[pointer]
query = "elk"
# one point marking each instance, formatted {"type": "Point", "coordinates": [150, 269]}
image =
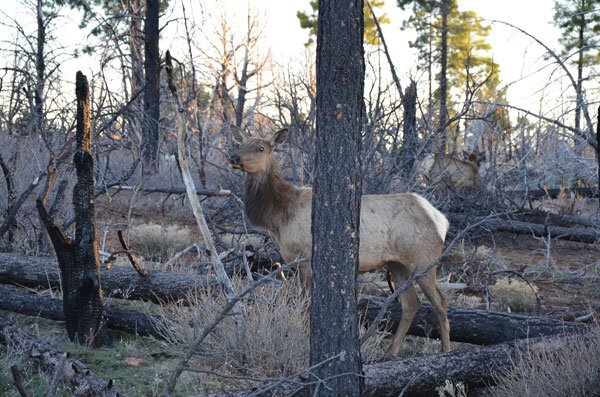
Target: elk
{"type": "Point", "coordinates": [401, 231]}
{"type": "Point", "coordinates": [445, 171]}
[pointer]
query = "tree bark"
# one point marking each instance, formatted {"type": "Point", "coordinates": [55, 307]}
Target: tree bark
{"type": "Point", "coordinates": [478, 367]}
{"type": "Point", "coordinates": [334, 346]}
{"type": "Point", "coordinates": [443, 80]}
{"type": "Point", "coordinates": [534, 229]}
{"type": "Point", "coordinates": [152, 90]}
{"type": "Point", "coordinates": [79, 260]}
{"type": "Point", "coordinates": [40, 66]}
{"type": "Point", "coordinates": [118, 282]}
{"type": "Point", "coordinates": [32, 304]}
{"type": "Point", "coordinates": [479, 327]}
{"type": "Point", "coordinates": [410, 140]}
{"type": "Point", "coordinates": [78, 375]}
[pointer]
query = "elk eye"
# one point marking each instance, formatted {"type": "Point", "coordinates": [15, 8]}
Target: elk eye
{"type": "Point", "coordinates": [261, 149]}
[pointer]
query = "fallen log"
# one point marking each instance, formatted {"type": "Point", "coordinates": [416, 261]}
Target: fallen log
{"type": "Point", "coordinates": [174, 190]}
{"type": "Point", "coordinates": [479, 327]}
{"type": "Point", "coordinates": [477, 367]}
{"type": "Point", "coordinates": [420, 376]}
{"type": "Point", "coordinates": [591, 192]}
{"type": "Point", "coordinates": [32, 304]}
{"type": "Point", "coordinates": [118, 282]}
{"type": "Point", "coordinates": [80, 378]}
{"type": "Point", "coordinates": [535, 229]}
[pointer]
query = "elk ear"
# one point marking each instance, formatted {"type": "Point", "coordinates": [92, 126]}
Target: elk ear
{"type": "Point", "coordinates": [280, 137]}
{"type": "Point", "coordinates": [238, 134]}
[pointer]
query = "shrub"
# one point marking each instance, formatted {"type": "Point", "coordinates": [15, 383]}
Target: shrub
{"type": "Point", "coordinates": [271, 341]}
{"type": "Point", "coordinates": [516, 294]}
{"type": "Point", "coordinates": [570, 370]}
{"type": "Point", "coordinates": [157, 241]}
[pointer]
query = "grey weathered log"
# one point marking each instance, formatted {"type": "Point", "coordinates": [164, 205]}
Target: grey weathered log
{"type": "Point", "coordinates": [118, 282]}
{"type": "Point", "coordinates": [24, 302]}
{"type": "Point", "coordinates": [535, 229]}
{"type": "Point", "coordinates": [479, 327]}
{"type": "Point", "coordinates": [420, 376]}
{"type": "Point", "coordinates": [591, 192]}
{"type": "Point", "coordinates": [80, 378]}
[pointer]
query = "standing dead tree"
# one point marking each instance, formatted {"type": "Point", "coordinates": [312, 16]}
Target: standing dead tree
{"type": "Point", "coordinates": [79, 259]}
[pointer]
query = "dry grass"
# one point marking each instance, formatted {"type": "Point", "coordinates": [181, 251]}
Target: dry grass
{"type": "Point", "coordinates": [272, 342]}
{"type": "Point", "coordinates": [515, 294]}
{"type": "Point", "coordinates": [157, 241]}
{"type": "Point", "coordinates": [571, 370]}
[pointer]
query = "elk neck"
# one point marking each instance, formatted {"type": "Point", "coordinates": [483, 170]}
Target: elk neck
{"type": "Point", "coordinates": [270, 199]}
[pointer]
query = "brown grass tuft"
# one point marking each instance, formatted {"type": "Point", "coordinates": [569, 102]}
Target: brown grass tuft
{"type": "Point", "coordinates": [571, 370]}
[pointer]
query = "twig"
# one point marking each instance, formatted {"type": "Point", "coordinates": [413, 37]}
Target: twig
{"type": "Point", "coordinates": [16, 375]}
{"type": "Point", "coordinates": [136, 265]}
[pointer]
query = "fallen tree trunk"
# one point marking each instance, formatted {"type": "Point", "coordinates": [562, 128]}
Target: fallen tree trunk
{"type": "Point", "coordinates": [420, 376]}
{"type": "Point", "coordinates": [479, 327]}
{"type": "Point", "coordinates": [173, 190]}
{"type": "Point", "coordinates": [33, 304]}
{"type": "Point", "coordinates": [591, 192]}
{"type": "Point", "coordinates": [118, 282]}
{"type": "Point", "coordinates": [478, 367]}
{"type": "Point", "coordinates": [535, 229]}
{"type": "Point", "coordinates": [76, 374]}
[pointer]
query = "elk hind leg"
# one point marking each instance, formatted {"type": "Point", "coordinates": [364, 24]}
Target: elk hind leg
{"type": "Point", "coordinates": [410, 305]}
{"type": "Point", "coordinates": [428, 284]}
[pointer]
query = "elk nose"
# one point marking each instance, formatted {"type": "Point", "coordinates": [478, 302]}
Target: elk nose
{"type": "Point", "coordinates": [234, 159]}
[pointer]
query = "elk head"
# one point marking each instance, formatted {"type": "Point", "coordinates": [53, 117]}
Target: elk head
{"type": "Point", "coordinates": [255, 154]}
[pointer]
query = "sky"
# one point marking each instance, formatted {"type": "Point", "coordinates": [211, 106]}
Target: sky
{"type": "Point", "coordinates": [518, 56]}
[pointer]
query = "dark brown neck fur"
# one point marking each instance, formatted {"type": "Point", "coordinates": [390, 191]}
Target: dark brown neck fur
{"type": "Point", "coordinates": [270, 199]}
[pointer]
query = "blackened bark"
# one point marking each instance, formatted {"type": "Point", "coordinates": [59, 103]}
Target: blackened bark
{"type": "Point", "coordinates": [410, 139]}
{"type": "Point", "coordinates": [336, 199]}
{"type": "Point", "coordinates": [474, 326]}
{"type": "Point", "coordinates": [78, 259]}
{"type": "Point", "coordinates": [40, 66]}
{"type": "Point", "coordinates": [20, 301]}
{"type": "Point", "coordinates": [152, 91]}
{"type": "Point", "coordinates": [443, 80]}
{"type": "Point", "coordinates": [598, 149]}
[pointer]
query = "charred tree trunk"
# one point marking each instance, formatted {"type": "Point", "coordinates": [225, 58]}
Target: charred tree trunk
{"type": "Point", "coordinates": [40, 66]}
{"type": "Point", "coordinates": [598, 150]}
{"type": "Point", "coordinates": [78, 259]}
{"type": "Point", "coordinates": [410, 138]}
{"type": "Point", "coordinates": [334, 345]}
{"type": "Point", "coordinates": [152, 90]}
{"type": "Point", "coordinates": [443, 145]}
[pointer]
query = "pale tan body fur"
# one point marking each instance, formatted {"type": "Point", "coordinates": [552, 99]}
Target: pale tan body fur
{"type": "Point", "coordinates": [448, 172]}
{"type": "Point", "coordinates": [401, 231]}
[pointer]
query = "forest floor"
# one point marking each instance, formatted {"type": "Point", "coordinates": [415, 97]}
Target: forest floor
{"type": "Point", "coordinates": [522, 274]}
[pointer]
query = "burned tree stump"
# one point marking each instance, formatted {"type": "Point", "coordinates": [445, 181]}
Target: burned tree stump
{"type": "Point", "coordinates": [79, 259]}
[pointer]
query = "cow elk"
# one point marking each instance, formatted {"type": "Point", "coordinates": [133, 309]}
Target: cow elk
{"type": "Point", "coordinates": [401, 231]}
{"type": "Point", "coordinates": [446, 172]}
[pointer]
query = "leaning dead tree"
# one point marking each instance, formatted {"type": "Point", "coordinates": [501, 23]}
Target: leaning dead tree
{"type": "Point", "coordinates": [79, 259]}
